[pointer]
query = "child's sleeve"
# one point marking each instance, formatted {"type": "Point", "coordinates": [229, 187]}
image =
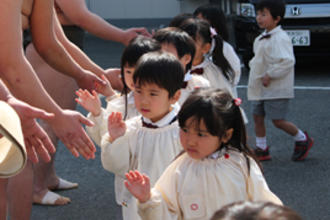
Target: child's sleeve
{"type": "Point", "coordinates": [280, 58]}
{"type": "Point", "coordinates": [163, 203]}
{"type": "Point", "coordinates": [100, 126]}
{"type": "Point", "coordinates": [116, 157]}
{"type": "Point", "coordinates": [258, 189]}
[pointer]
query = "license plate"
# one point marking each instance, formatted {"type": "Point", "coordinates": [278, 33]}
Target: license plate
{"type": "Point", "coordinates": [300, 37]}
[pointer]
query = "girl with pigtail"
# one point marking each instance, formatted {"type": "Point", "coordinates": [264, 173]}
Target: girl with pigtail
{"type": "Point", "coordinates": [216, 67]}
{"type": "Point", "coordinates": [215, 169]}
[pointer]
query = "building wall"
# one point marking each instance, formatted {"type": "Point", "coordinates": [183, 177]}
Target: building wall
{"type": "Point", "coordinates": [142, 9]}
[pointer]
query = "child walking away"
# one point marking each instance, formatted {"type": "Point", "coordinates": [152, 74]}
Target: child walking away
{"type": "Point", "coordinates": [216, 18]}
{"type": "Point", "coordinates": [216, 168]}
{"type": "Point", "coordinates": [179, 43]}
{"type": "Point", "coordinates": [123, 103]}
{"type": "Point", "coordinates": [271, 80]}
{"type": "Point", "coordinates": [148, 143]}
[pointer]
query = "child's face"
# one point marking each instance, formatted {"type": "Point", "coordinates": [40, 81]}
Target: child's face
{"type": "Point", "coordinates": [152, 101]}
{"type": "Point", "coordinates": [196, 140]}
{"type": "Point", "coordinates": [265, 20]}
{"type": "Point", "coordinates": [128, 74]}
{"type": "Point", "coordinates": [170, 48]}
{"type": "Point", "coordinates": [201, 49]}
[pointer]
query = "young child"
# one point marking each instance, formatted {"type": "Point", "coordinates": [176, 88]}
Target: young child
{"type": "Point", "coordinates": [255, 211]}
{"type": "Point", "coordinates": [179, 43]}
{"type": "Point", "coordinates": [116, 103]}
{"type": "Point", "coordinates": [148, 143]}
{"type": "Point", "coordinates": [216, 18]}
{"type": "Point", "coordinates": [271, 80]}
{"type": "Point", "coordinates": [217, 167]}
{"type": "Point", "coordinates": [217, 70]}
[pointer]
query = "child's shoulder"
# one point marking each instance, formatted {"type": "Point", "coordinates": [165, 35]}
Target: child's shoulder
{"type": "Point", "coordinates": [197, 81]}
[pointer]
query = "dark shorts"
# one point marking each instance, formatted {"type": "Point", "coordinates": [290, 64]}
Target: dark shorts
{"type": "Point", "coordinates": [275, 109]}
{"type": "Point", "coordinates": [74, 33]}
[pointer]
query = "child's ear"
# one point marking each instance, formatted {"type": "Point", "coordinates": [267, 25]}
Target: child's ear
{"type": "Point", "coordinates": [227, 136]}
{"type": "Point", "coordinates": [175, 97]}
{"type": "Point", "coordinates": [186, 59]}
{"type": "Point", "coordinates": [277, 20]}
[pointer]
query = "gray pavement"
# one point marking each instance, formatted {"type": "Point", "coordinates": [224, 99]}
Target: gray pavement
{"type": "Point", "coordinates": [303, 186]}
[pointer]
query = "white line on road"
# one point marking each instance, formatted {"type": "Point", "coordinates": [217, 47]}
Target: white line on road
{"type": "Point", "coordinates": [297, 87]}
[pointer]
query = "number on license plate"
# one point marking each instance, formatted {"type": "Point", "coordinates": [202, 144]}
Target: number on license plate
{"type": "Point", "coordinates": [299, 37]}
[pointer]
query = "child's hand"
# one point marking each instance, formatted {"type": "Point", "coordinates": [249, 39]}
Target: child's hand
{"type": "Point", "coordinates": [106, 89]}
{"type": "Point", "coordinates": [266, 80]}
{"type": "Point", "coordinates": [91, 102]}
{"type": "Point", "coordinates": [139, 185]}
{"type": "Point", "coordinates": [116, 125]}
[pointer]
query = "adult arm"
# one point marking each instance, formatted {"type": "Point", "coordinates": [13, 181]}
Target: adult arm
{"type": "Point", "coordinates": [49, 47]}
{"type": "Point", "coordinates": [96, 25]}
{"type": "Point", "coordinates": [22, 81]}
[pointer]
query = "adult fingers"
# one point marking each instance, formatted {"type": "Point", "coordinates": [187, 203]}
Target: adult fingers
{"type": "Point", "coordinates": [34, 112]}
{"type": "Point", "coordinates": [82, 119]}
{"type": "Point", "coordinates": [30, 151]}
{"type": "Point", "coordinates": [40, 149]}
{"type": "Point", "coordinates": [45, 140]}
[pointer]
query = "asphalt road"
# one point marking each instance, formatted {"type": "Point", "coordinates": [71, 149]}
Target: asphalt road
{"type": "Point", "coordinates": [303, 186]}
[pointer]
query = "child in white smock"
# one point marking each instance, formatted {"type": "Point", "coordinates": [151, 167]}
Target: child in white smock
{"type": "Point", "coordinates": [179, 43]}
{"type": "Point", "coordinates": [217, 20]}
{"type": "Point", "coordinates": [216, 168]}
{"type": "Point", "coordinates": [123, 103]}
{"type": "Point", "coordinates": [150, 142]}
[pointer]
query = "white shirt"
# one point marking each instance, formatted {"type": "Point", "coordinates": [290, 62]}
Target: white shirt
{"type": "Point", "coordinates": [145, 149]}
{"type": "Point", "coordinates": [196, 189]}
{"type": "Point", "coordinates": [273, 56]}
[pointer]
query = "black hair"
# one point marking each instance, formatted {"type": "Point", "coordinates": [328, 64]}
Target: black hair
{"type": "Point", "coordinates": [200, 29]}
{"type": "Point", "coordinates": [246, 210]}
{"type": "Point", "coordinates": [177, 20]}
{"type": "Point", "coordinates": [216, 108]}
{"type": "Point", "coordinates": [131, 54]}
{"type": "Point", "coordinates": [275, 7]}
{"type": "Point", "coordinates": [215, 16]}
{"type": "Point", "coordinates": [160, 68]}
{"type": "Point", "coordinates": [183, 43]}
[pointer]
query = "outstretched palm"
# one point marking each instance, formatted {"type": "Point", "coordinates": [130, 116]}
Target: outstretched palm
{"type": "Point", "coordinates": [116, 125]}
{"type": "Point", "coordinates": [139, 185]}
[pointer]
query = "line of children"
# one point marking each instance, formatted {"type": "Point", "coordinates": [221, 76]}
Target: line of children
{"type": "Point", "coordinates": [148, 143]}
{"type": "Point", "coordinates": [271, 80]}
{"type": "Point", "coordinates": [123, 103]}
{"type": "Point", "coordinates": [180, 44]}
{"type": "Point", "coordinates": [216, 168]}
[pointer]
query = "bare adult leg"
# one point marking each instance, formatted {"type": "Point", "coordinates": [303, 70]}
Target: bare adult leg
{"type": "Point", "coordinates": [20, 190]}
{"type": "Point", "coordinates": [286, 126]}
{"type": "Point", "coordinates": [3, 198]}
{"type": "Point", "coordinates": [62, 89]}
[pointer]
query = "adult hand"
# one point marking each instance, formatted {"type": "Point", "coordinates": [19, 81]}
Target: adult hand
{"type": "Point", "coordinates": [67, 126]}
{"type": "Point", "coordinates": [88, 80]}
{"type": "Point", "coordinates": [37, 142]}
{"type": "Point", "coordinates": [139, 185]}
{"type": "Point", "coordinates": [114, 76]}
{"type": "Point", "coordinates": [133, 32]}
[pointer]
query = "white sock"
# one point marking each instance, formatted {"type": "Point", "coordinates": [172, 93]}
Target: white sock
{"type": "Point", "coordinates": [261, 142]}
{"type": "Point", "coordinates": [300, 136]}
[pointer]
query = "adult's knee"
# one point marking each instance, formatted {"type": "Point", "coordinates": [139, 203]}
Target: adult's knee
{"type": "Point", "coordinates": [278, 123]}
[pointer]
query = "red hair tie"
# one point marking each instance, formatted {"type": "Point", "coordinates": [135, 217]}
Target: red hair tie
{"type": "Point", "coordinates": [237, 101]}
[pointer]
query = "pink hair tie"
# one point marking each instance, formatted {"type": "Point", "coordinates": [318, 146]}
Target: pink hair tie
{"type": "Point", "coordinates": [213, 32]}
{"type": "Point", "coordinates": [237, 101]}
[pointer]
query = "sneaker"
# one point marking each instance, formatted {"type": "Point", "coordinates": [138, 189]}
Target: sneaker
{"type": "Point", "coordinates": [261, 154]}
{"type": "Point", "coordinates": [301, 148]}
